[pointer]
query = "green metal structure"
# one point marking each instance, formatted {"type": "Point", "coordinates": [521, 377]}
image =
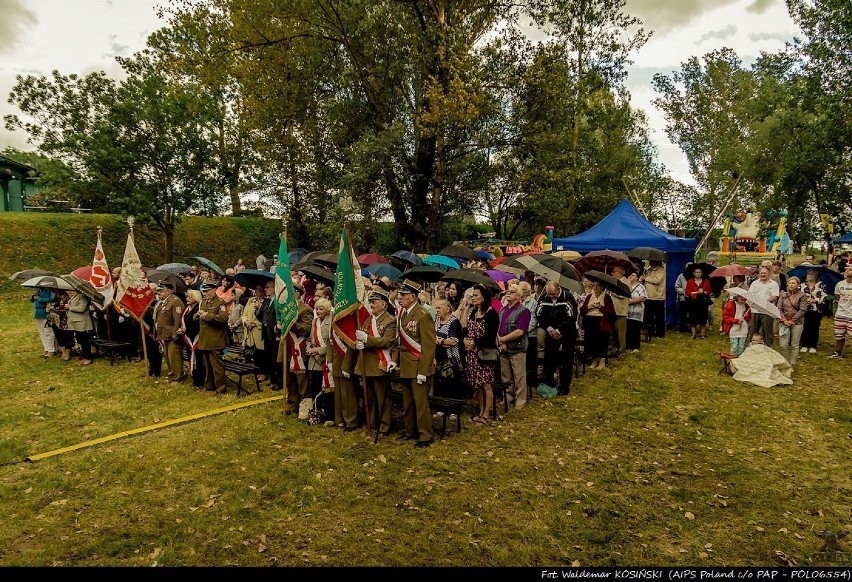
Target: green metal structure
{"type": "Point", "coordinates": [16, 184]}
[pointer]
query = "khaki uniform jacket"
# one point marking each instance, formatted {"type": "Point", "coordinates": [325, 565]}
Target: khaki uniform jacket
{"type": "Point", "coordinates": [419, 326]}
{"type": "Point", "coordinates": [368, 358]}
{"type": "Point", "coordinates": [167, 314]}
{"type": "Point", "coordinates": [301, 327]}
{"type": "Point", "coordinates": [213, 329]}
{"type": "Point", "coordinates": [655, 283]}
{"type": "Point", "coordinates": [253, 337]}
{"type": "Point", "coordinates": [315, 362]}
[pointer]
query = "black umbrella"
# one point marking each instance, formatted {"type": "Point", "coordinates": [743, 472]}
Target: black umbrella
{"type": "Point", "coordinates": [326, 260]}
{"type": "Point", "coordinates": [209, 264]}
{"type": "Point", "coordinates": [85, 288]}
{"type": "Point", "coordinates": [318, 273]}
{"type": "Point", "coordinates": [459, 252]}
{"type": "Point", "coordinates": [609, 283]}
{"type": "Point", "coordinates": [407, 257]}
{"type": "Point", "coordinates": [706, 269]}
{"type": "Point", "coordinates": [157, 276]}
{"type": "Point", "coordinates": [470, 277]}
{"type": "Point", "coordinates": [425, 273]}
{"type": "Point", "coordinates": [48, 282]}
{"type": "Point", "coordinates": [251, 278]}
{"type": "Point", "coordinates": [29, 274]}
{"type": "Point", "coordinates": [648, 254]}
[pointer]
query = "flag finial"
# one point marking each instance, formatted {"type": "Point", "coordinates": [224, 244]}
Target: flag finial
{"type": "Point", "coordinates": [130, 222]}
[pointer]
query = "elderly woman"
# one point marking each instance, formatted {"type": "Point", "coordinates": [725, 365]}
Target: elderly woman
{"type": "Point", "coordinates": [189, 327]}
{"type": "Point", "coordinates": [80, 322]}
{"type": "Point", "coordinates": [815, 297]}
{"type": "Point", "coordinates": [598, 312]}
{"type": "Point", "coordinates": [448, 335]}
{"type": "Point", "coordinates": [793, 306]}
{"type": "Point", "coordinates": [319, 375]}
{"type": "Point", "coordinates": [252, 336]}
{"type": "Point", "coordinates": [698, 296]}
{"type": "Point", "coordinates": [481, 332]}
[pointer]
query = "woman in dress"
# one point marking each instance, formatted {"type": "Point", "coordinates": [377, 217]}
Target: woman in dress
{"type": "Point", "coordinates": [447, 337]}
{"type": "Point", "coordinates": [482, 326]}
{"type": "Point", "coordinates": [598, 312]}
{"type": "Point", "coordinates": [698, 298]}
{"type": "Point", "coordinates": [793, 306]}
{"type": "Point", "coordinates": [815, 297]}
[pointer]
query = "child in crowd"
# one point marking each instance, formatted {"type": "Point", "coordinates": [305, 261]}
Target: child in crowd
{"type": "Point", "coordinates": [735, 317]}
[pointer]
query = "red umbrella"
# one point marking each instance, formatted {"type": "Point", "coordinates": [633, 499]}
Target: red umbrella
{"type": "Point", "coordinates": [604, 261]}
{"type": "Point", "coordinates": [729, 271]}
{"type": "Point", "coordinates": [84, 273]}
{"type": "Point", "coordinates": [371, 259]}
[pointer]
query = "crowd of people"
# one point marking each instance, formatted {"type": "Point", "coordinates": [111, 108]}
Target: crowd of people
{"type": "Point", "coordinates": [443, 339]}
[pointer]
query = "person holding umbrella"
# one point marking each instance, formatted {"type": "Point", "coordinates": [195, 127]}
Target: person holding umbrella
{"type": "Point", "coordinates": [80, 322]}
{"type": "Point", "coordinates": [41, 298]}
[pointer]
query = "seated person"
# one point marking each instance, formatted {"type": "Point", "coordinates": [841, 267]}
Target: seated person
{"type": "Point", "coordinates": [761, 365]}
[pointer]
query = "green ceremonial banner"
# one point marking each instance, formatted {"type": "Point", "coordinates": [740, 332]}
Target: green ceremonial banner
{"type": "Point", "coordinates": [348, 291]}
{"type": "Point", "coordinates": [286, 308]}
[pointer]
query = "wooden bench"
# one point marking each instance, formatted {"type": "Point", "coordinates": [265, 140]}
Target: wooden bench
{"type": "Point", "coordinates": [241, 369]}
{"type": "Point", "coordinates": [447, 406]}
{"type": "Point", "coordinates": [105, 347]}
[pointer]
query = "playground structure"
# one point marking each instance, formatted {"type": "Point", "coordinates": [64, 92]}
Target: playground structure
{"type": "Point", "coordinates": [543, 242]}
{"type": "Point", "coordinates": [748, 235]}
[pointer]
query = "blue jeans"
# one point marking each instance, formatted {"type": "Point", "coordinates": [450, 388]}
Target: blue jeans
{"type": "Point", "coordinates": [737, 345]}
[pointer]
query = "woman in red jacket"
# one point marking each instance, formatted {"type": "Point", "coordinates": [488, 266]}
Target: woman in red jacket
{"type": "Point", "coordinates": [698, 300]}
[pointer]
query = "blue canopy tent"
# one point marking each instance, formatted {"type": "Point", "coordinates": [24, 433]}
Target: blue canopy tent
{"type": "Point", "coordinates": [624, 229]}
{"type": "Point", "coordinates": [845, 239]}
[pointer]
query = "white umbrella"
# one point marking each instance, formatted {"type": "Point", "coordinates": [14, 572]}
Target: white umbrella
{"type": "Point", "coordinates": [762, 304]}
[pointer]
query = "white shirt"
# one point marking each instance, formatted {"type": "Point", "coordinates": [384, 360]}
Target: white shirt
{"type": "Point", "coordinates": [843, 299]}
{"type": "Point", "coordinates": [764, 291]}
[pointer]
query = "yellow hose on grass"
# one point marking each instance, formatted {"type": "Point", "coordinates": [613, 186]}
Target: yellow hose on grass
{"type": "Point", "coordinates": [136, 431]}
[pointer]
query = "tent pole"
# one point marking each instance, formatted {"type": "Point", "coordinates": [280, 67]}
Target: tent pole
{"type": "Point", "coordinates": [719, 214]}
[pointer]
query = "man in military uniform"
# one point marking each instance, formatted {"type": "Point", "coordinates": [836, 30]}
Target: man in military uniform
{"type": "Point", "coordinates": [374, 341]}
{"type": "Point", "coordinates": [212, 337]}
{"type": "Point", "coordinates": [342, 362]}
{"type": "Point", "coordinates": [292, 350]}
{"type": "Point", "coordinates": [416, 337]}
{"type": "Point", "coordinates": [167, 314]}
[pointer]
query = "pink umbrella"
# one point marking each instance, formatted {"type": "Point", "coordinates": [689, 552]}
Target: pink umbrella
{"type": "Point", "coordinates": [371, 259]}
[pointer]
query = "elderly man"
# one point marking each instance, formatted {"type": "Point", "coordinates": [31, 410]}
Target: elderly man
{"type": "Point", "coordinates": [512, 343]}
{"type": "Point", "coordinates": [761, 322]}
{"type": "Point", "coordinates": [655, 303]}
{"type": "Point", "coordinates": [557, 317]}
{"type": "Point", "coordinates": [212, 337]}
{"type": "Point", "coordinates": [621, 305]}
{"type": "Point", "coordinates": [292, 354]}
{"type": "Point", "coordinates": [375, 341]}
{"type": "Point", "coordinates": [416, 337]}
{"type": "Point", "coordinates": [167, 321]}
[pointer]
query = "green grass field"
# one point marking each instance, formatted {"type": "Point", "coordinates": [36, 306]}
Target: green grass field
{"type": "Point", "coordinates": [659, 460]}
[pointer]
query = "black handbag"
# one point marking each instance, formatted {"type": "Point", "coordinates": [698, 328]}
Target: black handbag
{"type": "Point", "coordinates": [488, 355]}
{"type": "Point", "coordinates": [249, 350]}
{"type": "Point", "coordinates": [446, 370]}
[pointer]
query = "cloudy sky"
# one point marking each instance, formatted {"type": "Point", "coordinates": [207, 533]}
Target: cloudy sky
{"type": "Point", "coordinates": [81, 36]}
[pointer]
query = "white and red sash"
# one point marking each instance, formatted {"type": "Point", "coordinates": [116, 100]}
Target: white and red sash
{"type": "Point", "coordinates": [405, 340]}
{"type": "Point", "coordinates": [191, 343]}
{"type": "Point", "coordinates": [296, 347]}
{"type": "Point", "coordinates": [338, 343]}
{"type": "Point", "coordinates": [384, 355]}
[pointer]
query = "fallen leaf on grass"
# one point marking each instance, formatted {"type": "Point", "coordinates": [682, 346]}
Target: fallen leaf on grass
{"type": "Point", "coordinates": [576, 563]}
{"type": "Point", "coordinates": [153, 555]}
{"type": "Point", "coordinates": [758, 528]}
{"type": "Point", "coordinates": [383, 459]}
{"type": "Point", "coordinates": [689, 515]}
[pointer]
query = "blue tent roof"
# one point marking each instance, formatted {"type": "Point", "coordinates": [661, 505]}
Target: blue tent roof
{"type": "Point", "coordinates": [624, 229]}
{"type": "Point", "coordinates": [846, 238]}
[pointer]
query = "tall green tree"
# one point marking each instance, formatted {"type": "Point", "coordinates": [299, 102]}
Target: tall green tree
{"type": "Point", "coordinates": [141, 145]}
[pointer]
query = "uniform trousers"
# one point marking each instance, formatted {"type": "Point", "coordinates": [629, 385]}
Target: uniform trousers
{"type": "Point", "coordinates": [173, 356]}
{"type": "Point", "coordinates": [214, 369]}
{"type": "Point", "coordinates": [345, 402]}
{"type": "Point", "coordinates": [297, 389]}
{"type": "Point", "coordinates": [415, 409]}
{"type": "Point", "coordinates": [379, 388]}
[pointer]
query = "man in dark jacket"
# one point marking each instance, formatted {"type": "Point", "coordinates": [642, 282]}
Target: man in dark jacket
{"type": "Point", "coordinates": [557, 317]}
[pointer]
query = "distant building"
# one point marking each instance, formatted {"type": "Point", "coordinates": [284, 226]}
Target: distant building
{"type": "Point", "coordinates": [16, 184]}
